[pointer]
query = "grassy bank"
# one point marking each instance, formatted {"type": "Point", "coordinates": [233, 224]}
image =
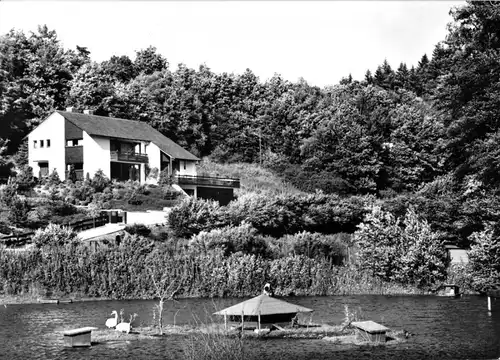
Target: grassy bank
{"type": "Point", "coordinates": [253, 178]}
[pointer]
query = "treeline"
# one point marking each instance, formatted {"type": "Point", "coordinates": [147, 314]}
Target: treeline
{"type": "Point", "coordinates": [392, 131]}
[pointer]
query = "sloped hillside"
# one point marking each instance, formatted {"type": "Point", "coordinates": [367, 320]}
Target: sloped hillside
{"type": "Point", "coordinates": [253, 177]}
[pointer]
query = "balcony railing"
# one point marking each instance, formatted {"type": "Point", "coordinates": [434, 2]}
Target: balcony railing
{"type": "Point", "coordinates": [74, 154]}
{"type": "Point", "coordinates": [132, 157]}
{"type": "Point", "coordinates": [207, 181]}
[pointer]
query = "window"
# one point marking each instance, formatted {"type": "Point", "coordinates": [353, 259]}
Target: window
{"type": "Point", "coordinates": [35, 144]}
{"type": "Point", "coordinates": [48, 142]}
{"type": "Point", "coordinates": [74, 142]}
{"type": "Point", "coordinates": [41, 143]}
{"type": "Point", "coordinates": [185, 164]}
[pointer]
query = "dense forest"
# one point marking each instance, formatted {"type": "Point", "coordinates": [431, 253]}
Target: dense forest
{"type": "Point", "coordinates": [423, 137]}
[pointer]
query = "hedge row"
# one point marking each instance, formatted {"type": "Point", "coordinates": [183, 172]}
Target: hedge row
{"type": "Point", "coordinates": [126, 271]}
{"type": "Point", "coordinates": [274, 215]}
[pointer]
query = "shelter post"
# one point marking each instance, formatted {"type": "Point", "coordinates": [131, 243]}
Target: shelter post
{"type": "Point", "coordinates": [225, 321]}
{"type": "Point", "coordinates": [242, 321]}
{"type": "Point", "coordinates": [259, 320]}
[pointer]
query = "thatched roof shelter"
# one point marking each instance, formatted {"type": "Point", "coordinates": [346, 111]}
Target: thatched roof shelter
{"type": "Point", "coordinates": [263, 309]}
{"type": "Point", "coordinates": [263, 305]}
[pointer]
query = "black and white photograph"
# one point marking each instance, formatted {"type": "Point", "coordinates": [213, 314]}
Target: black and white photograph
{"type": "Point", "coordinates": [249, 180]}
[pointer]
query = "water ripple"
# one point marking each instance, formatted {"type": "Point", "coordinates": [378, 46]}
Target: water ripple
{"type": "Point", "coordinates": [445, 329]}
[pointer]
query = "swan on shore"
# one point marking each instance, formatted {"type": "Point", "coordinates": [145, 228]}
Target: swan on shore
{"type": "Point", "coordinates": [126, 326]}
{"type": "Point", "coordinates": [112, 322]}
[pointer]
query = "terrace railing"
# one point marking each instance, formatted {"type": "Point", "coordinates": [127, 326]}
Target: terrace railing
{"type": "Point", "coordinates": [128, 156]}
{"type": "Point", "coordinates": [207, 181]}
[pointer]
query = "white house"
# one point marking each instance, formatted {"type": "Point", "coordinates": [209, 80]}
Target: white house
{"type": "Point", "coordinates": [122, 149]}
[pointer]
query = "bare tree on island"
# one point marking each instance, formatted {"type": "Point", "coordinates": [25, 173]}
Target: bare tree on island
{"type": "Point", "coordinates": [166, 285]}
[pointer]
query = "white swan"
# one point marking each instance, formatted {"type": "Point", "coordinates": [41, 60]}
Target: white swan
{"type": "Point", "coordinates": [112, 322]}
{"type": "Point", "coordinates": [124, 326]}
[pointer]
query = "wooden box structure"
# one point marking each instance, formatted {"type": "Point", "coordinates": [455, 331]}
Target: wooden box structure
{"type": "Point", "coordinates": [370, 330]}
{"type": "Point", "coordinates": [451, 290]}
{"type": "Point", "coordinates": [78, 337]}
{"type": "Point", "coordinates": [262, 310]}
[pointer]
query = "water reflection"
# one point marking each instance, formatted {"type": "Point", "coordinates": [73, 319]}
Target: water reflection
{"type": "Point", "coordinates": [445, 329]}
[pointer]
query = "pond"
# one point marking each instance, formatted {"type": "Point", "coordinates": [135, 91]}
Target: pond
{"type": "Point", "coordinates": [443, 328]}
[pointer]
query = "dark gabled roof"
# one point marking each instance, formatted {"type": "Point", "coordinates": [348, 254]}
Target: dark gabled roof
{"type": "Point", "coordinates": [263, 305]}
{"type": "Point", "coordinates": [126, 129]}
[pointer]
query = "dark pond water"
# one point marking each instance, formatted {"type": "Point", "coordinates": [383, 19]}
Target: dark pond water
{"type": "Point", "coordinates": [444, 328]}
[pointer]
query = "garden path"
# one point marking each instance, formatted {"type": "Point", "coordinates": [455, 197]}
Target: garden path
{"type": "Point", "coordinates": [150, 217]}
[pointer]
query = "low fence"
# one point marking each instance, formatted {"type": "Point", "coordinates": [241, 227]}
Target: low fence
{"type": "Point", "coordinates": [22, 239]}
{"type": "Point", "coordinates": [89, 223]}
{"type": "Point", "coordinates": [17, 239]}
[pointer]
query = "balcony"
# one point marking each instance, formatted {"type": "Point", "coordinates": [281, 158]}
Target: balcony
{"type": "Point", "coordinates": [128, 156]}
{"type": "Point", "coordinates": [74, 154]}
{"type": "Point", "coordinates": [207, 181]}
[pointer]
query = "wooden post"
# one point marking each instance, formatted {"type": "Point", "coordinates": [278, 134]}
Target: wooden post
{"type": "Point", "coordinates": [242, 321]}
{"type": "Point", "coordinates": [489, 303]}
{"type": "Point", "coordinates": [225, 321]}
{"type": "Point", "coordinates": [259, 320]}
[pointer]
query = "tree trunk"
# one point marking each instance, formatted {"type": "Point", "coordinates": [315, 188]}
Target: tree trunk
{"type": "Point", "coordinates": [160, 316]}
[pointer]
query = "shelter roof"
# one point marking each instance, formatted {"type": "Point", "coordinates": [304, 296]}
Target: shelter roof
{"type": "Point", "coordinates": [263, 304]}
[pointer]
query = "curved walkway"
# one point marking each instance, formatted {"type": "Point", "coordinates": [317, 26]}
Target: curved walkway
{"type": "Point", "coordinates": [150, 217]}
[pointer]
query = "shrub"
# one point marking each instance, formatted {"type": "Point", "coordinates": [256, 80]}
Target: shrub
{"type": "Point", "coordinates": [165, 178]}
{"type": "Point", "coordinates": [403, 250]}
{"type": "Point", "coordinates": [82, 191]}
{"type": "Point", "coordinates": [25, 179]}
{"type": "Point", "coordinates": [243, 238]}
{"type": "Point", "coordinates": [289, 214]}
{"type": "Point", "coordinates": [138, 229]}
{"type": "Point", "coordinates": [152, 173]}
{"type": "Point", "coordinates": [72, 173]}
{"type": "Point", "coordinates": [169, 193]}
{"type": "Point", "coordinates": [133, 198]}
{"type": "Point", "coordinates": [18, 211]}
{"type": "Point", "coordinates": [315, 245]}
{"type": "Point", "coordinates": [194, 215]}
{"type": "Point", "coordinates": [62, 208]}
{"type": "Point", "coordinates": [102, 200]}
{"type": "Point", "coordinates": [142, 189]}
{"type": "Point", "coordinates": [4, 228]}
{"type": "Point", "coordinates": [484, 259]}
{"type": "Point", "coordinates": [99, 182]}
{"type": "Point", "coordinates": [8, 194]}
{"type": "Point", "coordinates": [53, 178]}
{"type": "Point", "coordinates": [54, 235]}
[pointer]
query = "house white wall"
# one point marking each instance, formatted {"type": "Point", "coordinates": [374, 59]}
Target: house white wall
{"type": "Point", "coordinates": [190, 167]}
{"type": "Point", "coordinates": [96, 155]}
{"type": "Point", "coordinates": [51, 129]}
{"type": "Point", "coordinates": [154, 158]}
